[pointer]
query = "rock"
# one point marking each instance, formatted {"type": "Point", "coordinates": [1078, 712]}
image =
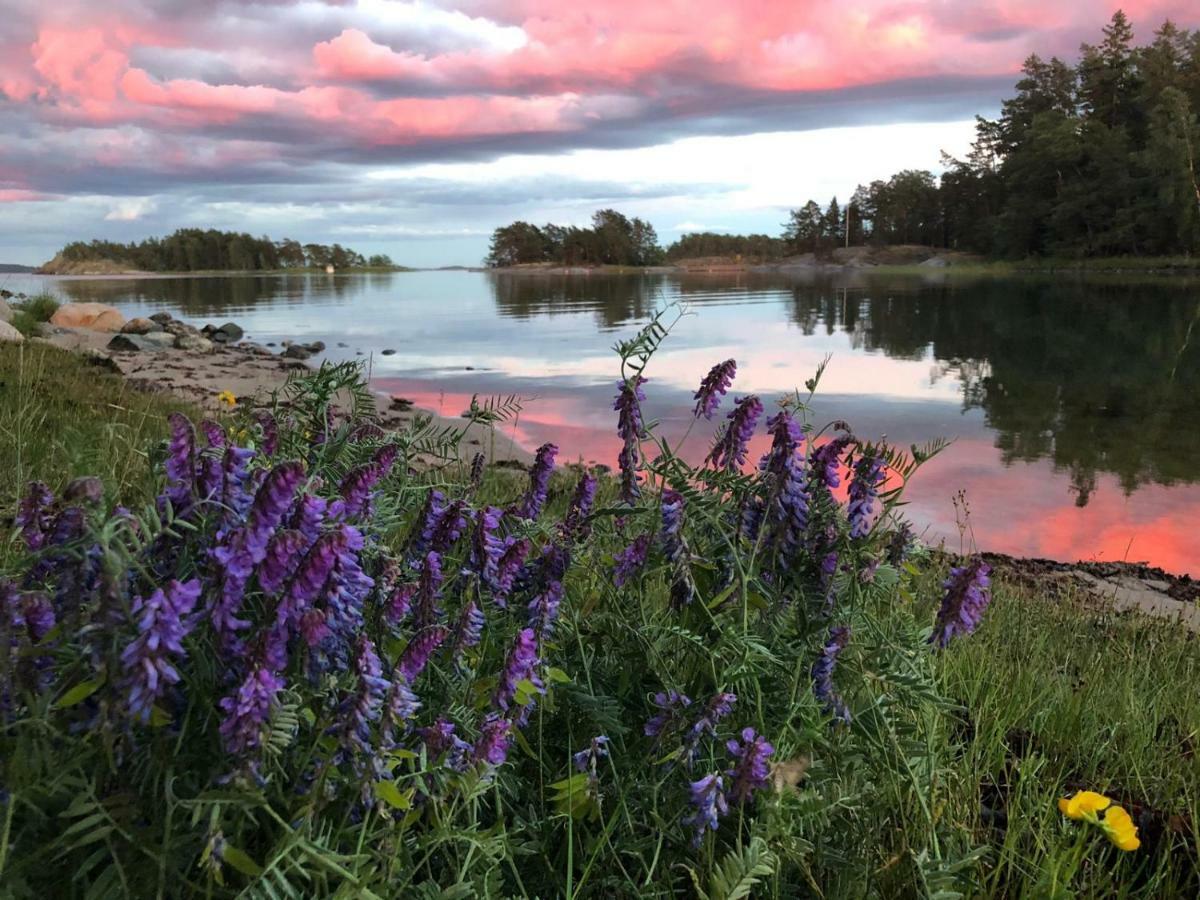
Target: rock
{"type": "Point", "coordinates": [934, 262]}
{"type": "Point", "coordinates": [297, 351]}
{"type": "Point", "coordinates": [401, 403]}
{"type": "Point", "coordinates": [142, 343]}
{"type": "Point", "coordinates": [187, 341]}
{"type": "Point", "coordinates": [162, 318]}
{"type": "Point", "coordinates": [6, 312]}
{"type": "Point", "coordinates": [270, 343]}
{"type": "Point", "coordinates": [232, 331]}
{"type": "Point", "coordinates": [6, 295]}
{"type": "Point", "coordinates": [316, 346]}
{"type": "Point", "coordinates": [10, 335]}
{"type": "Point", "coordinates": [99, 358]}
{"type": "Point", "coordinates": [340, 344]}
{"type": "Point", "coordinates": [92, 316]}
{"type": "Point", "coordinates": [140, 326]}
{"type": "Point", "coordinates": [178, 328]}
{"type": "Point", "coordinates": [468, 368]}
{"type": "Point", "coordinates": [292, 364]}
{"type": "Point", "coordinates": [389, 352]}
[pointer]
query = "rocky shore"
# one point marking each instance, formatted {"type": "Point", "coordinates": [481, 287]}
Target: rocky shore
{"type": "Point", "coordinates": [163, 354]}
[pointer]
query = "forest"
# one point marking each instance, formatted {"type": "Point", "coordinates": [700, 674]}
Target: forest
{"type": "Point", "coordinates": [1093, 159]}
{"type": "Point", "coordinates": [197, 250]}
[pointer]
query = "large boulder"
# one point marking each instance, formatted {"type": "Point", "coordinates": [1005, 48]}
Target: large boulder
{"type": "Point", "coordinates": [8, 334]}
{"type": "Point", "coordinates": [140, 326]}
{"type": "Point", "coordinates": [6, 312]}
{"type": "Point", "coordinates": [90, 316]}
{"type": "Point", "coordinates": [142, 343]}
{"type": "Point", "coordinates": [232, 332]}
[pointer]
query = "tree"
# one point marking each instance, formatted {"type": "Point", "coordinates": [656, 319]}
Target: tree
{"type": "Point", "coordinates": [804, 228]}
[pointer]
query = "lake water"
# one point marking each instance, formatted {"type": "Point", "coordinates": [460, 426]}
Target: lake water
{"type": "Point", "coordinates": [1074, 405]}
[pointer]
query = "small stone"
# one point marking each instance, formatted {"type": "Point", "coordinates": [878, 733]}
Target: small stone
{"type": "Point", "coordinates": [140, 326]}
{"type": "Point", "coordinates": [401, 403]}
{"type": "Point", "coordinates": [297, 351]}
{"type": "Point", "coordinates": [10, 335]}
{"type": "Point", "coordinates": [139, 343]}
{"type": "Point", "coordinates": [161, 318]}
{"type": "Point", "coordinates": [187, 341]}
{"type": "Point", "coordinates": [316, 346]}
{"type": "Point", "coordinates": [340, 344]}
{"type": "Point", "coordinates": [389, 352]}
{"type": "Point", "coordinates": [469, 368]}
{"type": "Point", "coordinates": [6, 295]}
{"type": "Point", "coordinates": [232, 331]}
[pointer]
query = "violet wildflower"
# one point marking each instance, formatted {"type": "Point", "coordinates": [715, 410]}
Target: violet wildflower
{"type": "Point", "coordinates": [449, 527]}
{"type": "Point", "coordinates": [670, 706]}
{"type": "Point", "coordinates": [416, 655]}
{"type": "Point", "coordinates": [968, 592]}
{"type": "Point", "coordinates": [708, 800]}
{"type": "Point", "coordinates": [308, 515]}
{"type": "Point", "coordinates": [900, 544]}
{"type": "Point", "coordinates": [729, 451]}
{"type": "Point", "coordinates": [270, 432]}
{"type": "Point", "coordinates": [368, 701]}
{"type": "Point", "coordinates": [310, 579]}
{"type": "Point", "coordinates": [822, 674]}
{"type": "Point", "coordinates": [34, 514]}
{"type": "Point", "coordinates": [163, 621]}
{"type": "Point", "coordinates": [439, 739]}
{"type": "Point", "coordinates": [785, 439]}
{"type": "Point", "coordinates": [629, 426]}
{"type": "Point", "coordinates": [508, 567]}
{"type": "Point", "coordinates": [792, 506]}
{"type": "Point", "coordinates": [486, 544]}
{"type": "Point", "coordinates": [717, 708]}
{"type": "Point", "coordinates": [751, 770]}
{"type": "Point", "coordinates": [38, 615]}
{"type": "Point", "coordinates": [574, 525]}
{"type": "Point", "coordinates": [283, 553]}
{"type": "Point", "coordinates": [494, 739]}
{"type": "Point", "coordinates": [825, 463]}
{"type": "Point", "coordinates": [399, 602]}
{"type": "Point", "coordinates": [672, 525]}
{"type": "Point", "coordinates": [429, 586]}
{"type": "Point", "coordinates": [543, 608]}
{"type": "Point", "coordinates": [236, 495]}
{"type": "Point", "coordinates": [422, 532]}
{"type": "Point", "coordinates": [587, 758]}
{"type": "Point", "coordinates": [478, 461]}
{"type": "Point", "coordinates": [713, 388]}
{"type": "Point", "coordinates": [181, 461]}
{"type": "Point", "coordinates": [539, 482]}
{"type": "Point", "coordinates": [751, 516]}
{"type": "Point", "coordinates": [348, 587]}
{"type": "Point", "coordinates": [248, 709]}
{"type": "Point", "coordinates": [468, 630]}
{"type": "Point", "coordinates": [864, 489]}
{"type": "Point", "coordinates": [631, 560]}
{"type": "Point", "coordinates": [520, 666]}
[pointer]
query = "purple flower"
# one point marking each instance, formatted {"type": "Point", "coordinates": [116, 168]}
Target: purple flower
{"type": "Point", "coordinates": [552, 569]}
{"type": "Point", "coordinates": [729, 451]}
{"type": "Point", "coordinates": [310, 579]}
{"type": "Point", "coordinates": [494, 739]}
{"type": "Point", "coordinates": [270, 432]}
{"type": "Point", "coordinates": [672, 525]}
{"type": "Point", "coordinates": [785, 439]}
{"type": "Point", "coordinates": [670, 706]}
{"type": "Point", "coordinates": [478, 461]}
{"type": "Point", "coordinates": [713, 388]}
{"type": "Point", "coordinates": [308, 515]}
{"type": "Point", "coordinates": [631, 560]}
{"type": "Point", "coordinates": [38, 615]}
{"type": "Point", "coordinates": [399, 603]}
{"type": "Point", "coordinates": [587, 758]}
{"type": "Point", "coordinates": [163, 621]}
{"type": "Point", "coordinates": [284, 551]}
{"type": "Point", "coordinates": [520, 666]}
{"type": "Point", "coordinates": [751, 518]}
{"type": "Point", "coordinates": [468, 631]}
{"type": "Point", "coordinates": [900, 544]}
{"type": "Point", "coordinates": [751, 770]}
{"type": "Point", "coordinates": [236, 493]}
{"type": "Point", "coordinates": [791, 506]}
{"type": "Point", "coordinates": [968, 592]}
{"type": "Point", "coordinates": [208, 468]}
{"type": "Point", "coordinates": [348, 587]}
{"type": "Point", "coordinates": [247, 710]}
{"type": "Point", "coordinates": [825, 463]}
{"type": "Point", "coordinates": [449, 527]}
{"type": "Point", "coordinates": [34, 515]}
{"type": "Point", "coordinates": [574, 525]}
{"type": "Point", "coordinates": [864, 489]}
{"type": "Point", "coordinates": [507, 568]}
{"type": "Point", "coordinates": [717, 708]}
{"type": "Point", "coordinates": [368, 701]}
{"type": "Point", "coordinates": [429, 586]}
{"type": "Point", "coordinates": [486, 544]}
{"type": "Point", "coordinates": [629, 426]}
{"type": "Point", "coordinates": [708, 802]}
{"type": "Point", "coordinates": [539, 482]}
{"type": "Point", "coordinates": [822, 674]}
{"type": "Point", "coordinates": [399, 706]}
{"type": "Point", "coordinates": [181, 461]}
{"type": "Point", "coordinates": [422, 533]}
{"type": "Point", "coordinates": [356, 487]}
{"type": "Point", "coordinates": [416, 655]}
{"type": "Point", "coordinates": [439, 739]}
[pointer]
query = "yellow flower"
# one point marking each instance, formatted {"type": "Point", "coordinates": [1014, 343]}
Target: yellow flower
{"type": "Point", "coordinates": [1120, 829]}
{"type": "Point", "coordinates": [227, 398]}
{"type": "Point", "coordinates": [1083, 805]}
{"type": "Point", "coordinates": [1116, 823]}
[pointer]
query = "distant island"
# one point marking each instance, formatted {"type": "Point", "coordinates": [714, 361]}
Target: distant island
{"type": "Point", "coordinates": [1090, 164]}
{"type": "Point", "coordinates": [15, 269]}
{"type": "Point", "coordinates": [208, 250]}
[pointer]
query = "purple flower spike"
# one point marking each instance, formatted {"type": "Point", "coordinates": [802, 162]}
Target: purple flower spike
{"type": "Point", "coordinates": [672, 525]}
{"type": "Point", "coordinates": [508, 567]}
{"type": "Point", "coordinates": [968, 592]}
{"type": "Point", "coordinates": [750, 772]}
{"type": "Point", "coordinates": [792, 507]}
{"type": "Point", "coordinates": [440, 740]}
{"type": "Point", "coordinates": [429, 586]}
{"type": "Point", "coordinates": [539, 482]}
{"type": "Point", "coordinates": [494, 739]}
{"type": "Point", "coordinates": [368, 701]}
{"type": "Point", "coordinates": [629, 426]}
{"type": "Point", "coordinates": [718, 708]}
{"type": "Point", "coordinates": [449, 527]}
{"type": "Point", "coordinates": [308, 516]}
{"type": "Point", "coordinates": [422, 534]}
{"type": "Point", "coordinates": [315, 570]}
{"type": "Point", "coordinates": [631, 560]}
{"type": "Point", "coordinates": [163, 621]}
{"type": "Point", "coordinates": [247, 710]}
{"type": "Point", "coordinates": [400, 705]}
{"type": "Point", "coordinates": [38, 615]}
{"type": "Point", "coordinates": [826, 463]}
{"type": "Point", "coordinates": [416, 655]}
{"type": "Point", "coordinates": [785, 439]}
{"type": "Point", "coordinates": [399, 603]}
{"type": "Point", "coordinates": [864, 489]}
{"type": "Point", "coordinates": [708, 801]}
{"type": "Point", "coordinates": [283, 554]}
{"type": "Point", "coordinates": [270, 432]}
{"type": "Point", "coordinates": [822, 675]}
{"type": "Point", "coordinates": [235, 481]}
{"type": "Point", "coordinates": [520, 666]}
{"type": "Point", "coordinates": [356, 488]}
{"type": "Point", "coordinates": [181, 461]}
{"type": "Point", "coordinates": [587, 758]}
{"type": "Point", "coordinates": [468, 631]}
{"type": "Point", "coordinates": [670, 706]}
{"type": "Point", "coordinates": [729, 452]}
{"type": "Point", "coordinates": [713, 388]}
{"type": "Point", "coordinates": [34, 515]}
{"type": "Point", "coordinates": [575, 526]}
{"type": "Point", "coordinates": [486, 545]}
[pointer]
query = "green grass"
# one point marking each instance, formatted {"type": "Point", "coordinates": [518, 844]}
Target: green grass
{"type": "Point", "coordinates": [30, 313]}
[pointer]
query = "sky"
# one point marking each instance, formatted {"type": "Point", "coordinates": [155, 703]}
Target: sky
{"type": "Point", "coordinates": [415, 128]}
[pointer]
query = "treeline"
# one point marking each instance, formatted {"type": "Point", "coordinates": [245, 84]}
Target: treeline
{"type": "Point", "coordinates": [1095, 159]}
{"type": "Point", "coordinates": [750, 247]}
{"type": "Point", "coordinates": [614, 240]}
{"type": "Point", "coordinates": [195, 249]}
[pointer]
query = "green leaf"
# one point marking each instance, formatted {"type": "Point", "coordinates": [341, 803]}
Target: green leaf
{"type": "Point", "coordinates": [159, 717]}
{"type": "Point", "coordinates": [79, 693]}
{"type": "Point", "coordinates": [391, 795]}
{"type": "Point", "coordinates": [241, 861]}
{"type": "Point", "coordinates": [558, 675]}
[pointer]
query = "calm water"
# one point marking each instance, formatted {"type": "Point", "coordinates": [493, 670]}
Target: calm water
{"type": "Point", "coordinates": [1074, 407]}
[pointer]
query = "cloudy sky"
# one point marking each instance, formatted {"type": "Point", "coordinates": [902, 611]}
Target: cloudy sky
{"type": "Point", "coordinates": [414, 128]}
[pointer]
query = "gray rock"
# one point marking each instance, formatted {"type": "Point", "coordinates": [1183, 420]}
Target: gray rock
{"type": "Point", "coordinates": [232, 331]}
{"type": "Point", "coordinates": [316, 346]}
{"type": "Point", "coordinates": [99, 358]}
{"type": "Point", "coordinates": [140, 326]}
{"type": "Point", "coordinates": [10, 335]}
{"type": "Point", "coordinates": [297, 351]}
{"type": "Point", "coordinates": [6, 312]}
{"type": "Point", "coordinates": [389, 352]}
{"type": "Point", "coordinates": [934, 262]}
{"type": "Point", "coordinates": [187, 341]}
{"type": "Point", "coordinates": [142, 343]}
{"type": "Point", "coordinates": [161, 318]}
{"type": "Point", "coordinates": [6, 295]}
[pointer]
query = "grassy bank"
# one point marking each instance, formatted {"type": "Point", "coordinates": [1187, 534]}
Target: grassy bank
{"type": "Point", "coordinates": [945, 782]}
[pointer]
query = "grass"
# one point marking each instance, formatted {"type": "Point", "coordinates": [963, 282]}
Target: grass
{"type": "Point", "coordinates": [1054, 694]}
{"type": "Point", "coordinates": [31, 313]}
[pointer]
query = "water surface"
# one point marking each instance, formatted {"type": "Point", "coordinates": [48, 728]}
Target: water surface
{"type": "Point", "coordinates": [1074, 405]}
